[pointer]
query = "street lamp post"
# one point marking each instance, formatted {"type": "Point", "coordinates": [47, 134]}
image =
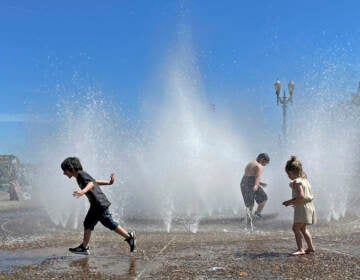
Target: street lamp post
{"type": "Point", "coordinates": [284, 101]}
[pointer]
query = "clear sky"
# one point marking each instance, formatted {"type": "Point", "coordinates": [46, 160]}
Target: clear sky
{"type": "Point", "coordinates": [240, 46]}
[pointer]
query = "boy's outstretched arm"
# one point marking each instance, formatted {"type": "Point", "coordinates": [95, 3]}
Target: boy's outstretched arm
{"type": "Point", "coordinates": [104, 183]}
{"type": "Point", "coordinates": [88, 187]}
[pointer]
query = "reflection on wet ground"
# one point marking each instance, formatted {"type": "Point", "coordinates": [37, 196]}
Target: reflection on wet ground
{"type": "Point", "coordinates": [261, 255]}
{"type": "Point", "coordinates": [57, 262]}
{"type": "Point", "coordinates": [33, 248]}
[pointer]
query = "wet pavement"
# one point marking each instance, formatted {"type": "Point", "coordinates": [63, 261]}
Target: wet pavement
{"type": "Point", "coordinates": [33, 248]}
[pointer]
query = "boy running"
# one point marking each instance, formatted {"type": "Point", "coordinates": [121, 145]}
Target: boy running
{"type": "Point", "coordinates": [99, 205]}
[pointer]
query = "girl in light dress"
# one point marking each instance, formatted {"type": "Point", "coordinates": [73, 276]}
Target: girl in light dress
{"type": "Point", "coordinates": [302, 200]}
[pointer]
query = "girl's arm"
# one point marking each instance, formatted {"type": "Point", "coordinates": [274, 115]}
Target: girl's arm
{"type": "Point", "coordinates": [297, 199]}
{"type": "Point", "coordinates": [288, 202]}
{"type": "Point", "coordinates": [104, 183]}
{"type": "Point", "coordinates": [300, 193]}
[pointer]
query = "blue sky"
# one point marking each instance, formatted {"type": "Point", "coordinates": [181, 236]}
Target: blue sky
{"type": "Point", "coordinates": [118, 46]}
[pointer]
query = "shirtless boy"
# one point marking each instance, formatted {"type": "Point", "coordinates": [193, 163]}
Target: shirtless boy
{"type": "Point", "coordinates": [251, 185]}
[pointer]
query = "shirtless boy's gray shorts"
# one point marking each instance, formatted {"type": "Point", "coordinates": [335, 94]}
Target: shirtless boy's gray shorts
{"type": "Point", "coordinates": [249, 195]}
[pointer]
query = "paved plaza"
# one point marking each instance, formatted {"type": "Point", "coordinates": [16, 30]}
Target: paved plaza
{"type": "Point", "coordinates": [33, 248]}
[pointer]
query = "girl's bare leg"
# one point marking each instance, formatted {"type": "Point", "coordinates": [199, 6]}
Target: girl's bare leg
{"type": "Point", "coordinates": [308, 239]}
{"type": "Point", "coordinates": [298, 238]}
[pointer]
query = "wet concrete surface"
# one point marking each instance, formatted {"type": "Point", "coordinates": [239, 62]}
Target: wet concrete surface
{"type": "Point", "coordinates": [34, 248]}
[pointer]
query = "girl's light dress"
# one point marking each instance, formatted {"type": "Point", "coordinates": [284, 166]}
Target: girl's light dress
{"type": "Point", "coordinates": [304, 212]}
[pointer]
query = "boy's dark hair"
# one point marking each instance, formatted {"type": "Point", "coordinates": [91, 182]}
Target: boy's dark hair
{"type": "Point", "coordinates": [263, 156]}
{"type": "Point", "coordinates": [71, 164]}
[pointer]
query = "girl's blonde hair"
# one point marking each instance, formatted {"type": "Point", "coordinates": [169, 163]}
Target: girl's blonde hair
{"type": "Point", "coordinates": [295, 165]}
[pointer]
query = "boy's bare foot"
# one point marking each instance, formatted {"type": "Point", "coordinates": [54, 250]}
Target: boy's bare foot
{"type": "Point", "coordinates": [298, 253]}
{"type": "Point", "coordinates": [308, 251]}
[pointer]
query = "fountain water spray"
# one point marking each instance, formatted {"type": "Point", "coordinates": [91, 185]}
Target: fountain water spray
{"type": "Point", "coordinates": [185, 161]}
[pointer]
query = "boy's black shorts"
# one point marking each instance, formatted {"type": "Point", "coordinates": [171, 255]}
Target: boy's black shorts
{"type": "Point", "coordinates": [94, 215]}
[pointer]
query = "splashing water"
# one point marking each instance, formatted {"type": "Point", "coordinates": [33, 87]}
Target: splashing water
{"type": "Point", "coordinates": [185, 161]}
